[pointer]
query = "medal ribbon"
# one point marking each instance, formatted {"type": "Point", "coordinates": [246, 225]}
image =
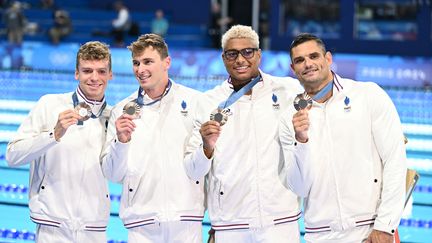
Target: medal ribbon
{"type": "Point", "coordinates": [235, 95]}
{"type": "Point", "coordinates": [140, 98]}
{"type": "Point", "coordinates": [323, 91]}
{"type": "Point", "coordinates": [76, 102]}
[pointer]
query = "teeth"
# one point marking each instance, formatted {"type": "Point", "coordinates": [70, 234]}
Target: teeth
{"type": "Point", "coordinates": [243, 67]}
{"type": "Point", "coordinates": [309, 71]}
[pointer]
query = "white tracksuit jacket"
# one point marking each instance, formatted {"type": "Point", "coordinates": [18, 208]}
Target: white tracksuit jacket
{"type": "Point", "coordinates": [354, 173]}
{"type": "Point", "coordinates": [243, 189]}
{"type": "Point", "coordinates": [67, 186]}
{"type": "Point", "coordinates": [150, 166]}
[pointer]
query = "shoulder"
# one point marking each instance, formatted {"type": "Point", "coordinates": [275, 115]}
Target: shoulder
{"type": "Point", "coordinates": [371, 88]}
{"type": "Point", "coordinates": [371, 92]}
{"type": "Point", "coordinates": [220, 90]}
{"type": "Point", "coordinates": [290, 84]}
{"type": "Point", "coordinates": [210, 99]}
{"type": "Point", "coordinates": [49, 98]}
{"type": "Point", "coordinates": [183, 90]}
{"type": "Point", "coordinates": [51, 103]}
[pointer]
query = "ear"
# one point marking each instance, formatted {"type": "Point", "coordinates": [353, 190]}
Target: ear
{"type": "Point", "coordinates": [167, 62]}
{"type": "Point", "coordinates": [259, 52]}
{"type": "Point", "coordinates": [328, 56]}
{"type": "Point", "coordinates": [76, 74]}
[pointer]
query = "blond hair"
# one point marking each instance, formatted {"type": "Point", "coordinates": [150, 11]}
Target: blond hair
{"type": "Point", "coordinates": [240, 32]}
{"type": "Point", "coordinates": [147, 40]}
{"type": "Point", "coordinates": [93, 50]}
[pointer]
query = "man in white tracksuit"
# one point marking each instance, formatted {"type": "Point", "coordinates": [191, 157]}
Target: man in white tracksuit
{"type": "Point", "coordinates": [145, 150]}
{"type": "Point", "coordinates": [245, 199]}
{"type": "Point", "coordinates": [69, 198]}
{"type": "Point", "coordinates": [350, 152]}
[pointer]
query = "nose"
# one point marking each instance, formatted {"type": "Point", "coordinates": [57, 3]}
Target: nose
{"type": "Point", "coordinates": [240, 58]}
{"type": "Point", "coordinates": [94, 75]}
{"type": "Point", "coordinates": [308, 62]}
{"type": "Point", "coordinates": [140, 68]}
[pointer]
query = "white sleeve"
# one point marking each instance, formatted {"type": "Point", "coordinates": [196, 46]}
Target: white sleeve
{"type": "Point", "coordinates": [294, 173]}
{"type": "Point", "coordinates": [32, 139]}
{"type": "Point", "coordinates": [115, 154]}
{"type": "Point", "coordinates": [389, 140]}
{"type": "Point", "coordinates": [196, 163]}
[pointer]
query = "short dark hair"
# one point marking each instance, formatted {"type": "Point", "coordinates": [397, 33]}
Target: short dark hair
{"type": "Point", "coordinates": [149, 40]}
{"type": "Point", "coordinates": [305, 37]}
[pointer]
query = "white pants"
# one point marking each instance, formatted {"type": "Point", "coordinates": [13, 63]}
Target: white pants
{"type": "Point", "coordinates": [355, 235]}
{"type": "Point", "coordinates": [51, 234]}
{"type": "Point", "coordinates": [283, 233]}
{"type": "Point", "coordinates": [167, 232]}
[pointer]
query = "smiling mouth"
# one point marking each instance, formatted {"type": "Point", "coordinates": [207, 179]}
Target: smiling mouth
{"type": "Point", "coordinates": [241, 68]}
{"type": "Point", "coordinates": [94, 85]}
{"type": "Point", "coordinates": [144, 77]}
{"type": "Point", "coordinates": [310, 71]}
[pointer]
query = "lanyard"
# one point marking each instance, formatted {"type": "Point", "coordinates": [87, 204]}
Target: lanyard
{"type": "Point", "coordinates": [140, 98]}
{"type": "Point", "coordinates": [235, 95]}
{"type": "Point", "coordinates": [323, 91]}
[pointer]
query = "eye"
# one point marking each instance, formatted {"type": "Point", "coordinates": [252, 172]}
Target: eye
{"type": "Point", "coordinates": [231, 54]}
{"type": "Point", "coordinates": [135, 63]}
{"type": "Point", "coordinates": [147, 62]}
{"type": "Point", "coordinates": [247, 52]}
{"type": "Point", "coordinates": [298, 60]}
{"type": "Point", "coordinates": [314, 56]}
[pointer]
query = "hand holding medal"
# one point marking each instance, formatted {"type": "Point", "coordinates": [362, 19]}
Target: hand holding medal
{"type": "Point", "coordinates": [66, 119]}
{"type": "Point", "coordinates": [125, 125]}
{"type": "Point", "coordinates": [221, 113]}
{"type": "Point", "coordinates": [209, 130]}
{"type": "Point", "coordinates": [302, 103]}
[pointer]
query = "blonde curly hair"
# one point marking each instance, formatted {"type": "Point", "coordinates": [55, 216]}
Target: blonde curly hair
{"type": "Point", "coordinates": [93, 50]}
{"type": "Point", "coordinates": [240, 32]}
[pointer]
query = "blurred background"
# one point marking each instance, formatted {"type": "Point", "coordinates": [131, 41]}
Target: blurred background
{"type": "Point", "coordinates": [387, 42]}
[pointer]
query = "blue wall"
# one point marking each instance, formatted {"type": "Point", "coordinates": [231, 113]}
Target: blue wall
{"type": "Point", "coordinates": [346, 43]}
{"type": "Point", "coordinates": [184, 11]}
{"type": "Point", "coordinates": [382, 69]}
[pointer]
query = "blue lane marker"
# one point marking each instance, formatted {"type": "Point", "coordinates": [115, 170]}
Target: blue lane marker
{"type": "Point", "coordinates": [17, 234]}
{"type": "Point", "coordinates": [423, 189]}
{"type": "Point", "coordinates": [30, 236]}
{"type": "Point", "coordinates": [416, 223]}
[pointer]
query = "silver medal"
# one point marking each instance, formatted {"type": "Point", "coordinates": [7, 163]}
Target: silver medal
{"type": "Point", "coordinates": [83, 110]}
{"type": "Point", "coordinates": [133, 109]}
{"type": "Point", "coordinates": [302, 101]}
{"type": "Point", "coordinates": [220, 116]}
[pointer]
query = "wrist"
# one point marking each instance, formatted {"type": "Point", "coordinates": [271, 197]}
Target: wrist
{"type": "Point", "coordinates": [124, 140]}
{"type": "Point", "coordinates": [301, 140]}
{"type": "Point", "coordinates": [208, 151]}
{"type": "Point", "coordinates": [56, 135]}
